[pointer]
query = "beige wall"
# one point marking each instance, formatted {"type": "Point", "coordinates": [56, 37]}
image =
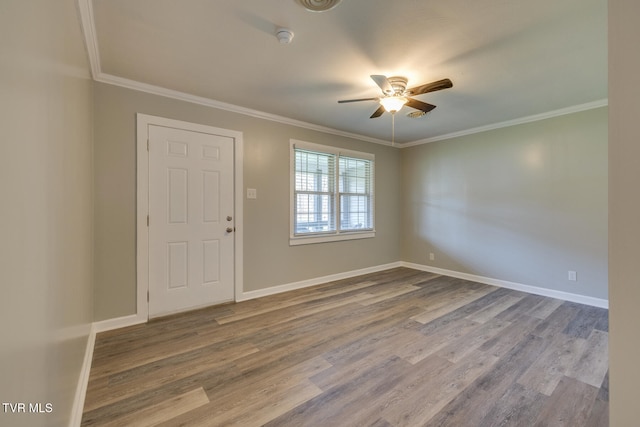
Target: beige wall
{"type": "Point", "coordinates": [46, 207]}
{"type": "Point", "coordinates": [268, 258]}
{"type": "Point", "coordinates": [624, 211]}
{"type": "Point", "coordinates": [524, 204]}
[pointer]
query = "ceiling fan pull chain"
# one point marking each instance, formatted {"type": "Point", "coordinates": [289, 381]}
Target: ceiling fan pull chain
{"type": "Point", "coordinates": [393, 128]}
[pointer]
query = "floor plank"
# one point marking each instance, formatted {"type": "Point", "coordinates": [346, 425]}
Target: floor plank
{"type": "Point", "coordinates": [546, 372]}
{"type": "Point", "coordinates": [518, 406]}
{"type": "Point", "coordinates": [593, 364]}
{"type": "Point", "coordinates": [169, 409]}
{"type": "Point", "coordinates": [570, 405]}
{"type": "Point", "coordinates": [476, 401]}
{"type": "Point", "coordinates": [399, 347]}
{"type": "Point", "coordinates": [442, 390]}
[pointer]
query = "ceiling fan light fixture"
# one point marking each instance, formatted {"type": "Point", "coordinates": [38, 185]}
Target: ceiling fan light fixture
{"type": "Point", "coordinates": [319, 5]}
{"type": "Point", "coordinates": [392, 104]}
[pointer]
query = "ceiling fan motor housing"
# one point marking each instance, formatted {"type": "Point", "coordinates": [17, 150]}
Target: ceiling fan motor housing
{"type": "Point", "coordinates": [399, 85]}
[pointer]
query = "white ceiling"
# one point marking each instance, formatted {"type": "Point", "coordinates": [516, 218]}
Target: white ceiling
{"type": "Point", "coordinates": [508, 59]}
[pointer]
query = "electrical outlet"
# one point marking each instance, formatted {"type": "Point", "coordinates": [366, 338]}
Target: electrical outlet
{"type": "Point", "coordinates": [252, 193]}
{"type": "Point", "coordinates": [573, 276]}
{"type": "Point", "coordinates": [432, 256]}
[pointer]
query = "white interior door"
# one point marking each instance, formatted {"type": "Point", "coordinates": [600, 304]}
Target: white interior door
{"type": "Point", "coordinates": [191, 224]}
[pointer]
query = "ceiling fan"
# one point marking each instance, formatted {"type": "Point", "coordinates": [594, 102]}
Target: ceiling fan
{"type": "Point", "coordinates": [395, 94]}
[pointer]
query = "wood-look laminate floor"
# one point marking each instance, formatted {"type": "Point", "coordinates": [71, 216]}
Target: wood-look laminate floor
{"type": "Point", "coordinates": [395, 348]}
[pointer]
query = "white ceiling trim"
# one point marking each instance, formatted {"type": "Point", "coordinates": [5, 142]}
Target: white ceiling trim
{"type": "Point", "coordinates": [514, 122]}
{"type": "Point", "coordinates": [181, 96]}
{"type": "Point", "coordinates": [85, 9]}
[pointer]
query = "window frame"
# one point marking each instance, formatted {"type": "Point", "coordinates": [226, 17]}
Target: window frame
{"type": "Point", "coordinates": [338, 234]}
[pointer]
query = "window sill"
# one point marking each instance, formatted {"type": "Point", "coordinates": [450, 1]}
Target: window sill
{"type": "Point", "coordinates": [308, 240]}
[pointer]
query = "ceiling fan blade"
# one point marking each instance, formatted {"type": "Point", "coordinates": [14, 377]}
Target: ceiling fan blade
{"type": "Point", "coordinates": [419, 105]}
{"type": "Point", "coordinates": [384, 83]}
{"type": "Point", "coordinates": [430, 87]}
{"type": "Point", "coordinates": [357, 100]}
{"type": "Point", "coordinates": [377, 113]}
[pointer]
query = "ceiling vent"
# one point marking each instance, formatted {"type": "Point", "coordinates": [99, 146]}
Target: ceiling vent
{"type": "Point", "coordinates": [318, 5]}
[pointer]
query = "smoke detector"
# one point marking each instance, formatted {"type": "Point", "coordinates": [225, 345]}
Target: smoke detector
{"type": "Point", "coordinates": [284, 35]}
{"type": "Point", "coordinates": [319, 5]}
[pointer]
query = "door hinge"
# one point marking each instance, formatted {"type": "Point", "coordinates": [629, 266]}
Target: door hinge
{"type": "Point", "coordinates": [147, 220]}
{"type": "Point", "coordinates": [147, 144]}
{"type": "Point", "coordinates": [147, 296]}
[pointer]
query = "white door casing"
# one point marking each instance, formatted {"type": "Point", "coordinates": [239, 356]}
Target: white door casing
{"type": "Point", "coordinates": [192, 232]}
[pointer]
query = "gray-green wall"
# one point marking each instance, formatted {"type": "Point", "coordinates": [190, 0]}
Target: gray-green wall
{"type": "Point", "coordinates": [268, 259]}
{"type": "Point", "coordinates": [45, 208]}
{"type": "Point", "coordinates": [523, 204]}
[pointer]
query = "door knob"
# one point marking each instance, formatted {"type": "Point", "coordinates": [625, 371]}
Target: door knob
{"type": "Point", "coordinates": [229, 218]}
{"type": "Point", "coordinates": [229, 230]}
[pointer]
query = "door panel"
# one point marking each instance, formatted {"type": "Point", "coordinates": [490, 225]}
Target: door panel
{"type": "Point", "coordinates": [191, 261]}
{"type": "Point", "coordinates": [211, 255]}
{"type": "Point", "coordinates": [211, 205]}
{"type": "Point", "coordinates": [177, 263]}
{"type": "Point", "coordinates": [177, 192]}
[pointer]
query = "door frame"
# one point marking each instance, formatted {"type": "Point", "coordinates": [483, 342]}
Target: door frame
{"type": "Point", "coordinates": [143, 121]}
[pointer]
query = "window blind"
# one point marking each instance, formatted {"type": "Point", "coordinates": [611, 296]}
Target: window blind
{"type": "Point", "coordinates": [356, 197]}
{"type": "Point", "coordinates": [314, 192]}
{"type": "Point", "coordinates": [332, 191]}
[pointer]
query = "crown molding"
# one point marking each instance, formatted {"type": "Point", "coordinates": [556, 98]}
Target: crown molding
{"type": "Point", "coordinates": [85, 9]}
{"type": "Point", "coordinates": [514, 122]}
{"type": "Point", "coordinates": [208, 102]}
{"type": "Point", "coordinates": [87, 22]}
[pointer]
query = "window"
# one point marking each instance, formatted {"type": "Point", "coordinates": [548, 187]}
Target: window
{"type": "Point", "coordinates": [332, 195]}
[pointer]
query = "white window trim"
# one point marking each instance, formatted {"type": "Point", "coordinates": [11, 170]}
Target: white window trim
{"type": "Point", "coordinates": [337, 235]}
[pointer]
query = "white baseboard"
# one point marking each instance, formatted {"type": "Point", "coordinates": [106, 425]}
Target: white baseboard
{"type": "Point", "coordinates": [83, 380]}
{"type": "Point", "coordinates": [567, 296]}
{"type": "Point", "coordinates": [118, 322]}
{"type": "Point", "coordinates": [315, 281]}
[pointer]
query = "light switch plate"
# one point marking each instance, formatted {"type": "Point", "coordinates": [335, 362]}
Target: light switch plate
{"type": "Point", "coordinates": [252, 193]}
